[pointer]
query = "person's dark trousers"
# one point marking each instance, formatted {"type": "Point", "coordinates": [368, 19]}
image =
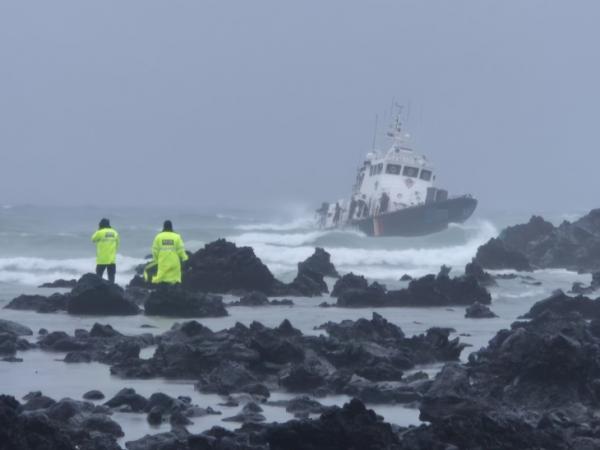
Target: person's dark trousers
{"type": "Point", "coordinates": [111, 270]}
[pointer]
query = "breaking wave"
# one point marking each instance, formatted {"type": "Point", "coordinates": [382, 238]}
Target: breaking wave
{"type": "Point", "coordinates": [379, 258]}
{"type": "Point", "coordinates": [35, 271]}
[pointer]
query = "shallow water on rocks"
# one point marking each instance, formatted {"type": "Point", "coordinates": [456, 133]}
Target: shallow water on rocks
{"type": "Point", "coordinates": [45, 372]}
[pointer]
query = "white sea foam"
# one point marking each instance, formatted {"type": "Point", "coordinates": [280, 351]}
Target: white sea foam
{"type": "Point", "coordinates": [277, 239]}
{"type": "Point", "coordinates": [300, 223]}
{"type": "Point", "coordinates": [282, 251]}
{"type": "Point", "coordinates": [34, 271]}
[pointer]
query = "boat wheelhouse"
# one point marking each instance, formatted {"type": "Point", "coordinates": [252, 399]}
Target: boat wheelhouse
{"type": "Point", "coordinates": [394, 194]}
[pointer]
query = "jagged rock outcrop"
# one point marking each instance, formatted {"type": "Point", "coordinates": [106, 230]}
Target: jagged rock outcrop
{"type": "Point", "coordinates": [534, 386]}
{"type": "Point", "coordinates": [539, 244]}
{"type": "Point", "coordinates": [496, 255]}
{"type": "Point", "coordinates": [320, 262]}
{"type": "Point", "coordinates": [430, 290]}
{"type": "Point", "coordinates": [222, 267]}
{"type": "Point", "coordinates": [561, 304]}
{"type": "Point", "coordinates": [347, 282]}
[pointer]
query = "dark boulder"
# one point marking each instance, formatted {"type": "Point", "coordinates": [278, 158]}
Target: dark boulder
{"type": "Point", "coordinates": [93, 395]}
{"type": "Point", "coordinates": [372, 296]}
{"type": "Point", "coordinates": [175, 301]}
{"type": "Point", "coordinates": [39, 303]}
{"type": "Point", "coordinates": [320, 262]}
{"type": "Point", "coordinates": [222, 267]}
{"type": "Point", "coordinates": [10, 343]}
{"type": "Point", "coordinates": [27, 432]}
{"type": "Point", "coordinates": [8, 326]}
{"type": "Point", "coordinates": [476, 271]}
{"type": "Point", "coordinates": [479, 311]}
{"type": "Point", "coordinates": [60, 283]}
{"type": "Point", "coordinates": [95, 296]}
{"type": "Point", "coordinates": [496, 256]}
{"type": "Point", "coordinates": [308, 283]}
{"type": "Point", "coordinates": [349, 281]}
{"type": "Point", "coordinates": [129, 400]}
{"type": "Point", "coordinates": [561, 304]}
{"type": "Point", "coordinates": [574, 246]}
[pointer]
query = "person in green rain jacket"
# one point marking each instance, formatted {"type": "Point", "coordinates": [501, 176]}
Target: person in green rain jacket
{"type": "Point", "coordinates": [107, 242]}
{"type": "Point", "coordinates": [168, 252]}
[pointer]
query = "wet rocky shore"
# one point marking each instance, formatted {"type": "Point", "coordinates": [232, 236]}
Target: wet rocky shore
{"type": "Point", "coordinates": [535, 384]}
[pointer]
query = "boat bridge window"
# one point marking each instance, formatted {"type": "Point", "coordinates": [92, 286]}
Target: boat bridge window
{"type": "Point", "coordinates": [425, 175]}
{"type": "Point", "coordinates": [393, 169]}
{"type": "Point", "coordinates": [412, 172]}
{"type": "Point", "coordinates": [379, 168]}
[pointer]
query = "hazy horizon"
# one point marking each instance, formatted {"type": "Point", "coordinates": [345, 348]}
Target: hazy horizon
{"type": "Point", "coordinates": [261, 104]}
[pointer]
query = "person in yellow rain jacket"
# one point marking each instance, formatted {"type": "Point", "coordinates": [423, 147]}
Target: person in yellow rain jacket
{"type": "Point", "coordinates": [107, 242]}
{"type": "Point", "coordinates": [168, 252]}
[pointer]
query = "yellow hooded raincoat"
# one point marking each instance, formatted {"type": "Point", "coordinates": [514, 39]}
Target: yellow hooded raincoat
{"type": "Point", "coordinates": [168, 252]}
{"type": "Point", "coordinates": [107, 242]}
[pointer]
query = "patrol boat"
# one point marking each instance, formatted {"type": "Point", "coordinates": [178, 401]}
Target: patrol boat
{"type": "Point", "coordinates": [394, 195]}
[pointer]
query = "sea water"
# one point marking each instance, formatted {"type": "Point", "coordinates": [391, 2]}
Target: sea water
{"type": "Point", "coordinates": [41, 244]}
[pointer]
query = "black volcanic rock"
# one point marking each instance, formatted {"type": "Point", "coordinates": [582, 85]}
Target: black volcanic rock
{"type": "Point", "coordinates": [496, 255]}
{"type": "Point", "coordinates": [102, 343]}
{"type": "Point", "coordinates": [63, 425]}
{"type": "Point", "coordinates": [479, 311]}
{"type": "Point", "coordinates": [320, 262]}
{"type": "Point", "coordinates": [351, 427]}
{"type": "Point", "coordinates": [574, 246]}
{"type": "Point", "coordinates": [222, 267]}
{"type": "Point", "coordinates": [8, 326]}
{"type": "Point", "coordinates": [128, 398]}
{"type": "Point", "coordinates": [253, 359]}
{"type": "Point", "coordinates": [94, 296]}
{"type": "Point", "coordinates": [430, 290]}
{"type": "Point", "coordinates": [534, 386]}
{"type": "Point", "coordinates": [560, 303]}
{"type": "Point", "coordinates": [372, 296]}
{"type": "Point", "coordinates": [308, 283]}
{"type": "Point", "coordinates": [475, 270]}
{"type": "Point", "coordinates": [60, 283]}
{"type": "Point", "coordinates": [349, 281]}
{"type": "Point", "coordinates": [175, 301]}
{"type": "Point", "coordinates": [93, 395]}
{"type": "Point", "coordinates": [39, 303]}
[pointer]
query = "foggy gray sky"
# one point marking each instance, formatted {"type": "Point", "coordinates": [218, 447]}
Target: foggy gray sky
{"type": "Point", "coordinates": [243, 103]}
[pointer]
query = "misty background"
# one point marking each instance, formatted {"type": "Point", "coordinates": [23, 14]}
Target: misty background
{"type": "Point", "coordinates": [258, 104]}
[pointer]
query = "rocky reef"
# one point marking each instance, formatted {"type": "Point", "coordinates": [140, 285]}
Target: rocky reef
{"type": "Point", "coordinates": [353, 291]}
{"type": "Point", "coordinates": [539, 244]}
{"type": "Point", "coordinates": [364, 358]}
